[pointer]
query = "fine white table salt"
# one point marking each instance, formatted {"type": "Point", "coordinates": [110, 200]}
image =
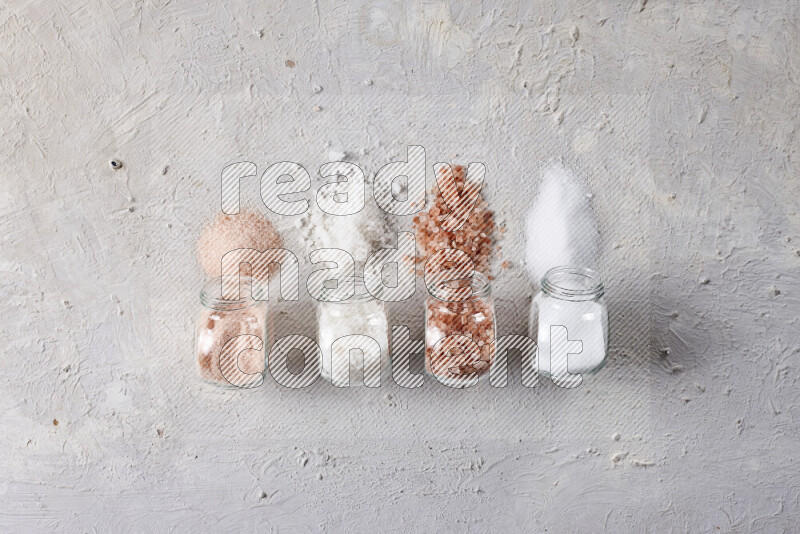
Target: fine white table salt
{"type": "Point", "coordinates": [560, 227]}
{"type": "Point", "coordinates": [585, 321]}
{"type": "Point", "coordinates": [561, 230]}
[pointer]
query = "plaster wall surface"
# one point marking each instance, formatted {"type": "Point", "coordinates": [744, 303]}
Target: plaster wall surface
{"type": "Point", "coordinates": [681, 116]}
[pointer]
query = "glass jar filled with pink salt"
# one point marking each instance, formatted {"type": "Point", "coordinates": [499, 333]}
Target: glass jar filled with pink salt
{"type": "Point", "coordinates": [222, 320]}
{"type": "Point", "coordinates": [459, 336]}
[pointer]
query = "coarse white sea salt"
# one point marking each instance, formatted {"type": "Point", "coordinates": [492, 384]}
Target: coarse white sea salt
{"type": "Point", "coordinates": [357, 317]}
{"type": "Point", "coordinates": [560, 227]}
{"type": "Point", "coordinates": [359, 234]}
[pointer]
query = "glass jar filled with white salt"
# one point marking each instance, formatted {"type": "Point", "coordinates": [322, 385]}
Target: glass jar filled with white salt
{"type": "Point", "coordinates": [570, 308]}
{"type": "Point", "coordinates": [353, 335]}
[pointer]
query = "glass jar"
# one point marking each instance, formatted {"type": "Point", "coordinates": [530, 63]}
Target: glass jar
{"type": "Point", "coordinates": [571, 297]}
{"type": "Point", "coordinates": [360, 315]}
{"type": "Point", "coordinates": [222, 320]}
{"type": "Point", "coordinates": [467, 357]}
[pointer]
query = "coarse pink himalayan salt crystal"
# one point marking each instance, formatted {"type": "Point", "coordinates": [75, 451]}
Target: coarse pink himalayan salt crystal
{"type": "Point", "coordinates": [475, 237]}
{"type": "Point", "coordinates": [474, 319]}
{"type": "Point", "coordinates": [230, 232]}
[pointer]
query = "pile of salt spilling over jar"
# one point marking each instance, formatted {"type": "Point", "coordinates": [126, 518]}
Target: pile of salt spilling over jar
{"type": "Point", "coordinates": [459, 334]}
{"type": "Point", "coordinates": [568, 318]}
{"type": "Point", "coordinates": [223, 324]}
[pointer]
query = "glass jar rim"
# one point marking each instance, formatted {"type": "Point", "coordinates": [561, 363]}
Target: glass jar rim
{"type": "Point", "coordinates": [567, 282]}
{"type": "Point", "coordinates": [480, 283]}
{"type": "Point", "coordinates": [211, 295]}
{"type": "Point", "coordinates": [361, 293]}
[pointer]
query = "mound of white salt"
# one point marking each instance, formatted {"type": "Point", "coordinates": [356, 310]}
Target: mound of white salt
{"type": "Point", "coordinates": [560, 227]}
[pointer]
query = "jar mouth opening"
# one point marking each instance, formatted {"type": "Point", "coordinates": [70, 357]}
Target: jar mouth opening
{"type": "Point", "coordinates": [479, 282]}
{"type": "Point", "coordinates": [211, 295]}
{"type": "Point", "coordinates": [568, 282]}
{"type": "Point", "coordinates": [361, 293]}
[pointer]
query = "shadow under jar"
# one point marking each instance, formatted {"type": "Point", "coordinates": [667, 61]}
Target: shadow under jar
{"type": "Point", "coordinates": [222, 320]}
{"type": "Point", "coordinates": [571, 298]}
{"type": "Point", "coordinates": [459, 336]}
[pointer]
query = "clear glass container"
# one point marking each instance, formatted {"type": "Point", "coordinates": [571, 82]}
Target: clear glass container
{"type": "Point", "coordinates": [571, 297]}
{"type": "Point", "coordinates": [459, 362]}
{"type": "Point", "coordinates": [360, 315]}
{"type": "Point", "coordinates": [221, 320]}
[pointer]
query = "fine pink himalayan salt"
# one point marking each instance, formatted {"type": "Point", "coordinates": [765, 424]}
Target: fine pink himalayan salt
{"type": "Point", "coordinates": [231, 232]}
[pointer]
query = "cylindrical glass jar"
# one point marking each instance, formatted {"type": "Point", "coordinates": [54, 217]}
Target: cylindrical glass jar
{"type": "Point", "coordinates": [221, 320]}
{"type": "Point", "coordinates": [571, 297]}
{"type": "Point", "coordinates": [459, 362]}
{"type": "Point", "coordinates": [360, 315]}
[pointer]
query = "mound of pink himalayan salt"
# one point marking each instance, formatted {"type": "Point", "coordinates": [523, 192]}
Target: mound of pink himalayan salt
{"type": "Point", "coordinates": [475, 237]}
{"type": "Point", "coordinates": [230, 232]}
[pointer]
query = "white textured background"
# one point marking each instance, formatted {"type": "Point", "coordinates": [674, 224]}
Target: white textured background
{"type": "Point", "coordinates": [683, 118]}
